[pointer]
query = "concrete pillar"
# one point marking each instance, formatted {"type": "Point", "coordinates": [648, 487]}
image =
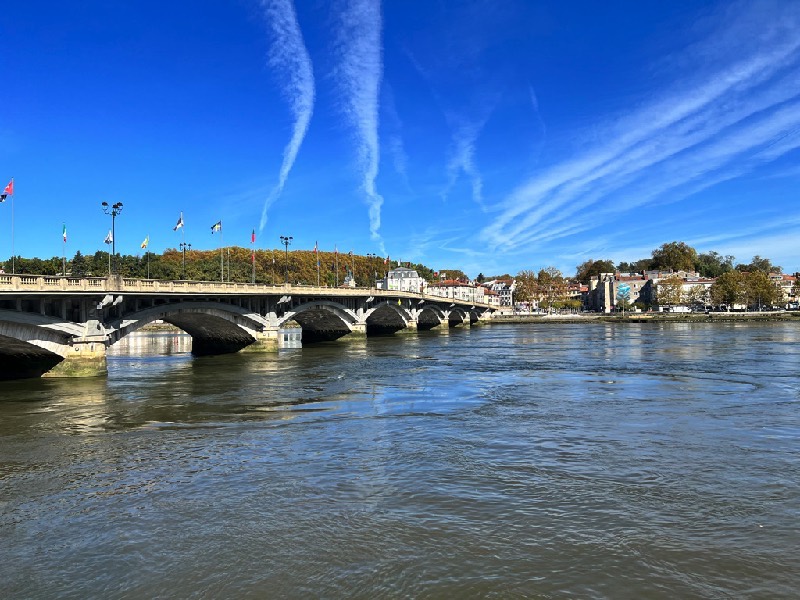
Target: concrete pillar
{"type": "Point", "coordinates": [266, 341]}
{"type": "Point", "coordinates": [84, 359]}
{"type": "Point", "coordinates": [411, 327]}
{"type": "Point", "coordinates": [358, 331]}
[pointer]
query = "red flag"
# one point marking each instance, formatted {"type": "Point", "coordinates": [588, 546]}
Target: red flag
{"type": "Point", "coordinates": [253, 237]}
{"type": "Point", "coordinates": [8, 191]}
{"type": "Point", "coordinates": [386, 260]}
{"type": "Point", "coordinates": [315, 248]}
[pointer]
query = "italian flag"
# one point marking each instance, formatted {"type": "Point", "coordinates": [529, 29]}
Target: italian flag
{"type": "Point", "coordinates": [64, 233]}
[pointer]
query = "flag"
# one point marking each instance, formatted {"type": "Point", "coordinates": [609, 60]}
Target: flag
{"type": "Point", "coordinates": [216, 227]}
{"type": "Point", "coordinates": [7, 191]}
{"type": "Point", "coordinates": [335, 250]}
{"type": "Point", "coordinates": [146, 242]}
{"type": "Point", "coordinates": [64, 233]}
{"type": "Point", "coordinates": [316, 248]}
{"type": "Point", "coordinates": [350, 253]}
{"type": "Point", "coordinates": [109, 238]}
{"type": "Point", "coordinates": [253, 237]}
{"type": "Point", "coordinates": [386, 260]}
{"type": "Point", "coordinates": [179, 224]}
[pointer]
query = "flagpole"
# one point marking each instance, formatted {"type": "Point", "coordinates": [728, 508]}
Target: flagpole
{"type": "Point", "coordinates": [253, 257]}
{"type": "Point", "coordinates": [64, 252]}
{"type": "Point", "coordinates": [221, 257]}
{"type": "Point", "coordinates": [13, 257]}
{"type": "Point", "coordinates": [336, 265]}
{"type": "Point", "coordinates": [147, 252]}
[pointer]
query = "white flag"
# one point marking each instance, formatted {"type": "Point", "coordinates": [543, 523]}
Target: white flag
{"type": "Point", "coordinates": [109, 238]}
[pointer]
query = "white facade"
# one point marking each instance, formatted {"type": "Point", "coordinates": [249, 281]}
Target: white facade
{"type": "Point", "coordinates": [402, 279]}
{"type": "Point", "coordinates": [457, 291]}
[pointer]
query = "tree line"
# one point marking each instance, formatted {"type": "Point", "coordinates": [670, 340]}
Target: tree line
{"type": "Point", "coordinates": [231, 264]}
{"type": "Point", "coordinates": [677, 256]}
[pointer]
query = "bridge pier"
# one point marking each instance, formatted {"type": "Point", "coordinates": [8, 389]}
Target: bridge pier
{"type": "Point", "coordinates": [410, 328]}
{"type": "Point", "coordinates": [358, 331]}
{"type": "Point", "coordinates": [266, 341]}
{"type": "Point", "coordinates": [84, 359]}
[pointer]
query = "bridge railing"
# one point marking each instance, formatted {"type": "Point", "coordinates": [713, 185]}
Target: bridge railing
{"type": "Point", "coordinates": [10, 284]}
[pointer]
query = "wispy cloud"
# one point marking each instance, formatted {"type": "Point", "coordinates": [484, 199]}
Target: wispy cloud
{"type": "Point", "coordinates": [289, 57]}
{"type": "Point", "coordinates": [735, 111]}
{"type": "Point", "coordinates": [462, 159]}
{"type": "Point", "coordinates": [359, 75]}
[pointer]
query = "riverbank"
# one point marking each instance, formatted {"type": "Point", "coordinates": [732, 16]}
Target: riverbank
{"type": "Point", "coordinates": [650, 317]}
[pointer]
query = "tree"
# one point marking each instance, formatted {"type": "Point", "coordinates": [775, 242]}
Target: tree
{"type": "Point", "coordinates": [592, 268]}
{"type": "Point", "coordinates": [670, 291]}
{"type": "Point", "coordinates": [480, 278]}
{"type": "Point", "coordinates": [759, 264]}
{"type": "Point", "coordinates": [698, 295]}
{"type": "Point", "coordinates": [760, 290]}
{"type": "Point", "coordinates": [728, 289]}
{"type": "Point", "coordinates": [526, 286]}
{"type": "Point", "coordinates": [550, 286]}
{"type": "Point", "coordinates": [712, 264]}
{"type": "Point", "coordinates": [643, 264]}
{"type": "Point", "coordinates": [78, 265]}
{"type": "Point", "coordinates": [676, 256]}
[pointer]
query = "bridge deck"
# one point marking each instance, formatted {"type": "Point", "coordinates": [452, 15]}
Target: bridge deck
{"type": "Point", "coordinates": [42, 284]}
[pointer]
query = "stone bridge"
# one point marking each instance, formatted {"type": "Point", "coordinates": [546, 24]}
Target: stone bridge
{"type": "Point", "coordinates": [62, 326]}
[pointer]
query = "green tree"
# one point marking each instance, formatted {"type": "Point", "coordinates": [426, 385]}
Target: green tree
{"type": "Point", "coordinates": [677, 256]}
{"type": "Point", "coordinates": [759, 264]}
{"type": "Point", "coordinates": [712, 264]}
{"type": "Point", "coordinates": [760, 290]}
{"type": "Point", "coordinates": [592, 268]}
{"type": "Point", "coordinates": [643, 264]}
{"type": "Point", "coordinates": [729, 289]}
{"type": "Point", "coordinates": [550, 286]}
{"type": "Point", "coordinates": [78, 265]}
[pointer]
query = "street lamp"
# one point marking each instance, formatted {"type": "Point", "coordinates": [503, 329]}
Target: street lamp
{"type": "Point", "coordinates": [286, 240]}
{"type": "Point", "coordinates": [184, 247]}
{"type": "Point", "coordinates": [113, 210]}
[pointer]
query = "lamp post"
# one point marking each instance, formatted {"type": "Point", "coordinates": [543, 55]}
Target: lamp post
{"type": "Point", "coordinates": [113, 210]}
{"type": "Point", "coordinates": [286, 240]}
{"type": "Point", "coordinates": [184, 247]}
{"type": "Point", "coordinates": [371, 258]}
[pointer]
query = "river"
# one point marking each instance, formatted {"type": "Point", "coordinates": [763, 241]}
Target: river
{"type": "Point", "coordinates": [589, 460]}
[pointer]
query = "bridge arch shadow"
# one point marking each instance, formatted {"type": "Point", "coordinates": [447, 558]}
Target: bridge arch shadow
{"type": "Point", "coordinates": [215, 327]}
{"type": "Point", "coordinates": [321, 320]}
{"type": "Point", "coordinates": [387, 318]}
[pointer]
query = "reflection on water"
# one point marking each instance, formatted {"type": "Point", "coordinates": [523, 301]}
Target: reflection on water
{"type": "Point", "coordinates": [597, 460]}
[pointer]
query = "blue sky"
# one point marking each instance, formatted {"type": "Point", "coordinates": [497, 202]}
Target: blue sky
{"type": "Point", "coordinates": [482, 135]}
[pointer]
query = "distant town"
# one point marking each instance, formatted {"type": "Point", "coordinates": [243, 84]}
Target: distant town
{"type": "Point", "coordinates": [676, 278]}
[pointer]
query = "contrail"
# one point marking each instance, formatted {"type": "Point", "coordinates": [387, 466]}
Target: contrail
{"type": "Point", "coordinates": [289, 57]}
{"type": "Point", "coordinates": [359, 76]}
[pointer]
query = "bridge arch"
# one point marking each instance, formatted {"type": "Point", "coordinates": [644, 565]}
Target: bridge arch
{"type": "Point", "coordinates": [215, 327]}
{"type": "Point", "coordinates": [321, 320]}
{"type": "Point", "coordinates": [31, 349]}
{"type": "Point", "coordinates": [430, 316]}
{"type": "Point", "coordinates": [387, 317]}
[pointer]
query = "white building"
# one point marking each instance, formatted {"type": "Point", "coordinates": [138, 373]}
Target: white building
{"type": "Point", "coordinates": [504, 289]}
{"type": "Point", "coordinates": [402, 279]}
{"type": "Point", "coordinates": [451, 288]}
